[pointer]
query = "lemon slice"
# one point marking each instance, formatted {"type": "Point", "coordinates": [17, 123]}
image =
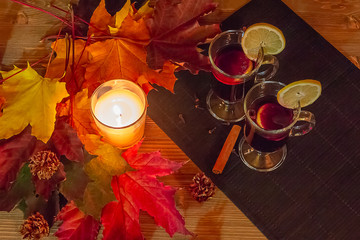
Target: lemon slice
{"type": "Point", "coordinates": [265, 35]}
{"type": "Point", "coordinates": [304, 92]}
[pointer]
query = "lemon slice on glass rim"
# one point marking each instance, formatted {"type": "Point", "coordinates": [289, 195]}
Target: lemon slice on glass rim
{"type": "Point", "coordinates": [264, 35]}
{"type": "Point", "coordinates": [304, 92]}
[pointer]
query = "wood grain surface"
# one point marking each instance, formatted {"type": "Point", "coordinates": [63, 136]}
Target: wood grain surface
{"type": "Point", "coordinates": [21, 29]}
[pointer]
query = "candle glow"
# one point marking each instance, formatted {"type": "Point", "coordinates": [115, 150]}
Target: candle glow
{"type": "Point", "coordinates": [119, 112]}
{"type": "Point", "coordinates": [118, 108]}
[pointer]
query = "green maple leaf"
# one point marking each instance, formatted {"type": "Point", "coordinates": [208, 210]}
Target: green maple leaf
{"type": "Point", "coordinates": [22, 188]}
{"type": "Point", "coordinates": [74, 186]}
{"type": "Point", "coordinates": [96, 196]}
{"type": "Point", "coordinates": [107, 163]}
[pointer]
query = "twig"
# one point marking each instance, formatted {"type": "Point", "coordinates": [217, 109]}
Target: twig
{"type": "Point", "coordinates": [79, 18]}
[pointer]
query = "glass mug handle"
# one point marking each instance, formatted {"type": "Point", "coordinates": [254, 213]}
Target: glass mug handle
{"type": "Point", "coordinates": [308, 123]}
{"type": "Point", "coordinates": [268, 71]}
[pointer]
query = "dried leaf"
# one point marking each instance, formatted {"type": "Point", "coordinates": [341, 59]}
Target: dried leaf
{"type": "Point", "coordinates": [353, 22]}
{"type": "Point", "coordinates": [30, 99]}
{"type": "Point", "coordinates": [355, 60]}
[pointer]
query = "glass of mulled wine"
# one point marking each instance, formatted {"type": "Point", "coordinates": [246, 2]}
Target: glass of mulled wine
{"type": "Point", "coordinates": [234, 74]}
{"type": "Point", "coordinates": [268, 126]}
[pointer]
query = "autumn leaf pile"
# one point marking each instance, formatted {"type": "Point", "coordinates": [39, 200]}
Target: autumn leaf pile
{"type": "Point", "coordinates": [102, 185]}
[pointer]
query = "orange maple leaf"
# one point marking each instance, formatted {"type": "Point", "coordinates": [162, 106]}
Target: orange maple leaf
{"type": "Point", "coordinates": [135, 30]}
{"type": "Point", "coordinates": [82, 118]}
{"type": "Point", "coordinates": [56, 69]}
{"type": "Point", "coordinates": [100, 20]}
{"type": "Point", "coordinates": [123, 55]}
{"type": "Point", "coordinates": [121, 58]}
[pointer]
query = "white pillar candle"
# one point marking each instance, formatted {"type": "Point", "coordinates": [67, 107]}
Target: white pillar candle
{"type": "Point", "coordinates": [119, 108]}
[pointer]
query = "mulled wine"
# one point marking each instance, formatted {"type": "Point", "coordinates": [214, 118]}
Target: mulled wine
{"type": "Point", "coordinates": [269, 115]}
{"type": "Point", "coordinates": [232, 60]}
{"type": "Point", "coordinates": [233, 75]}
{"type": "Point", "coordinates": [268, 125]}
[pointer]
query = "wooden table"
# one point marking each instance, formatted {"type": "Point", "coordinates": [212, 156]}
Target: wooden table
{"type": "Point", "coordinates": [20, 31]}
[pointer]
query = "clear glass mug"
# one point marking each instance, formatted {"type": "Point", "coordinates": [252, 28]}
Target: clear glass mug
{"type": "Point", "coordinates": [265, 149]}
{"type": "Point", "coordinates": [225, 99]}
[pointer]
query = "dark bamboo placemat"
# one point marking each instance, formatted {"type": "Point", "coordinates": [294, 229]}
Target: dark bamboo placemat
{"type": "Point", "coordinates": [315, 193]}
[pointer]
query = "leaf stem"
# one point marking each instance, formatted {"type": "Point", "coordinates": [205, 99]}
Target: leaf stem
{"type": "Point", "coordinates": [99, 38]}
{"type": "Point", "coordinates": [82, 53]}
{"type": "Point", "coordinates": [52, 51]}
{"type": "Point", "coordinates": [73, 77]}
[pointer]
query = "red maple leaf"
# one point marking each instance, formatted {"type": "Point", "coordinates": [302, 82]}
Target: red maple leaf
{"type": "Point", "coordinates": [175, 33]}
{"type": "Point", "coordinates": [75, 224]}
{"type": "Point", "coordinates": [66, 141]}
{"type": "Point", "coordinates": [140, 189]}
{"type": "Point", "coordinates": [151, 163]}
{"type": "Point", "coordinates": [13, 153]}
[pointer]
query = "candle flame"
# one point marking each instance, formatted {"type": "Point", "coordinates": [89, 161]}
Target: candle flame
{"type": "Point", "coordinates": [117, 110]}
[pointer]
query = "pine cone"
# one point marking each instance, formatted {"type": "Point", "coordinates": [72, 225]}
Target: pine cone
{"type": "Point", "coordinates": [35, 227]}
{"type": "Point", "coordinates": [44, 164]}
{"type": "Point", "coordinates": [202, 187]}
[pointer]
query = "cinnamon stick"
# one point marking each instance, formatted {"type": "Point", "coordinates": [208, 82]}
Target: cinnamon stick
{"type": "Point", "coordinates": [226, 150]}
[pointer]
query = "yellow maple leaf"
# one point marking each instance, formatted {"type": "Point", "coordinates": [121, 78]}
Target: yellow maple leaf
{"type": "Point", "coordinates": [124, 11]}
{"type": "Point", "coordinates": [30, 99]}
{"type": "Point", "coordinates": [145, 11]}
